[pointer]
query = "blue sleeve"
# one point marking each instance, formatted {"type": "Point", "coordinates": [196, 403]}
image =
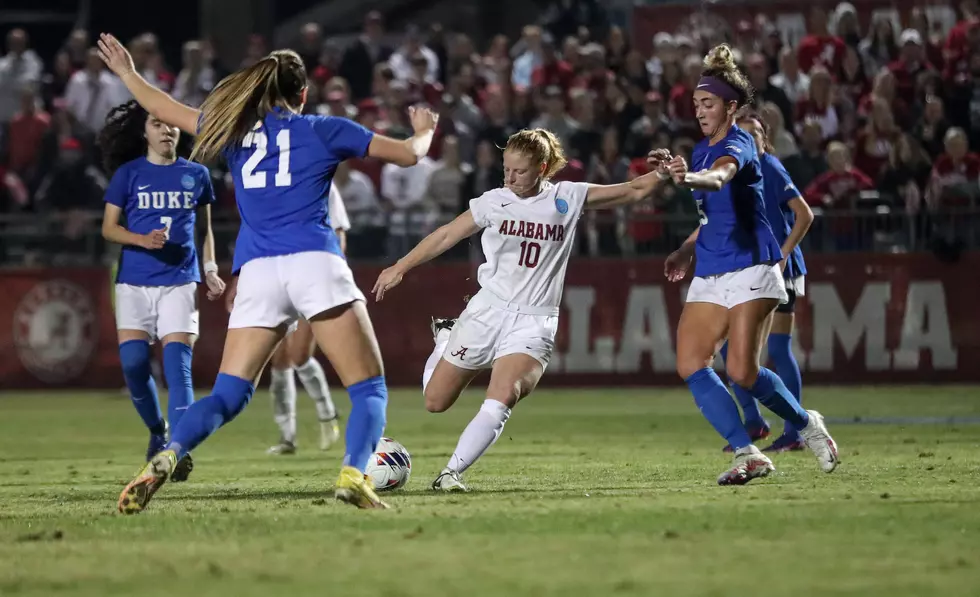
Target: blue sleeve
{"type": "Point", "coordinates": [118, 190]}
{"type": "Point", "coordinates": [344, 137]}
{"type": "Point", "coordinates": [785, 188]}
{"type": "Point", "coordinates": [207, 188]}
{"type": "Point", "coordinates": [739, 147]}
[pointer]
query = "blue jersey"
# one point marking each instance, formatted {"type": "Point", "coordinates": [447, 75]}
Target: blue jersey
{"type": "Point", "coordinates": [282, 172]}
{"type": "Point", "coordinates": [154, 197]}
{"type": "Point", "coordinates": [779, 191]}
{"type": "Point", "coordinates": [735, 233]}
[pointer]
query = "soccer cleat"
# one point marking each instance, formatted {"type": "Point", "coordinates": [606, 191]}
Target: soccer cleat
{"type": "Point", "coordinates": [137, 494]}
{"type": "Point", "coordinates": [156, 445]}
{"type": "Point", "coordinates": [329, 433]}
{"type": "Point", "coordinates": [749, 464]}
{"type": "Point", "coordinates": [441, 324]}
{"type": "Point", "coordinates": [449, 481]}
{"type": "Point", "coordinates": [283, 448]}
{"type": "Point", "coordinates": [755, 434]}
{"type": "Point", "coordinates": [183, 469]}
{"type": "Point", "coordinates": [786, 443]}
{"type": "Point", "coordinates": [818, 439]}
{"type": "Point", "coordinates": [356, 489]}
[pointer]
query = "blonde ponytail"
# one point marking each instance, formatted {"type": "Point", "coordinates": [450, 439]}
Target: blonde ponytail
{"type": "Point", "coordinates": [542, 146]}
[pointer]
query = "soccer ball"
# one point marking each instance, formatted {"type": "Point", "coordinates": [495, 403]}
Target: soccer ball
{"type": "Point", "coordinates": [390, 466]}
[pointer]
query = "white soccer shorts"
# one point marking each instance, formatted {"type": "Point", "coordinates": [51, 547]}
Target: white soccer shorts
{"type": "Point", "coordinates": [278, 290]}
{"type": "Point", "coordinates": [490, 328]}
{"type": "Point", "coordinates": [158, 310]}
{"type": "Point", "coordinates": [734, 288]}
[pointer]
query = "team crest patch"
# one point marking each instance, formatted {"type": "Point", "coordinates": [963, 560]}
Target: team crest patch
{"type": "Point", "coordinates": [187, 181]}
{"type": "Point", "coordinates": [561, 205]}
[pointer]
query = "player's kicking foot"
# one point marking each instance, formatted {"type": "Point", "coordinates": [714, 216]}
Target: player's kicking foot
{"type": "Point", "coordinates": [329, 433]}
{"type": "Point", "coordinates": [283, 448]}
{"type": "Point", "coordinates": [787, 442]}
{"type": "Point", "coordinates": [441, 324]}
{"type": "Point", "coordinates": [449, 481]}
{"type": "Point", "coordinates": [749, 464]}
{"type": "Point", "coordinates": [183, 469]}
{"type": "Point", "coordinates": [756, 433]}
{"type": "Point", "coordinates": [818, 439]}
{"type": "Point", "coordinates": [137, 494]}
{"type": "Point", "coordinates": [354, 488]}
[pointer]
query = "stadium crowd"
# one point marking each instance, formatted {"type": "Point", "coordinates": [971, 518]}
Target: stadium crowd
{"type": "Point", "coordinates": [880, 119]}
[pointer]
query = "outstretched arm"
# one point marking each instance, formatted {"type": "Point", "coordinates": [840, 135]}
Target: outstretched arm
{"type": "Point", "coordinates": [605, 196]}
{"type": "Point", "coordinates": [409, 151]}
{"type": "Point", "coordinates": [441, 240]}
{"type": "Point", "coordinates": [153, 100]}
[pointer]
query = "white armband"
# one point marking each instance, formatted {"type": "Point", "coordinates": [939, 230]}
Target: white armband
{"type": "Point", "coordinates": [210, 267]}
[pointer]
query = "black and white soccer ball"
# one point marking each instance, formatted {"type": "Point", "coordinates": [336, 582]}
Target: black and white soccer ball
{"type": "Point", "coordinates": [390, 467]}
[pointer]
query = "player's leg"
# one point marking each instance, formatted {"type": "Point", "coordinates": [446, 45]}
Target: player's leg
{"type": "Point", "coordinates": [300, 346]}
{"type": "Point", "coordinates": [755, 424]}
{"type": "Point", "coordinates": [178, 327]}
{"type": "Point", "coordinates": [135, 321]}
{"type": "Point", "coordinates": [282, 387]}
{"type": "Point", "coordinates": [788, 369]}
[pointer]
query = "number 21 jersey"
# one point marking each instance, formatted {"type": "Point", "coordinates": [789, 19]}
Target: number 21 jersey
{"type": "Point", "coordinates": [527, 242]}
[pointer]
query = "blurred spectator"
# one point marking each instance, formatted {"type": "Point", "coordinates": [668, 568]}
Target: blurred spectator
{"type": "Point", "coordinates": [663, 53]}
{"type": "Point", "coordinates": [76, 49]}
{"type": "Point", "coordinates": [793, 83]}
{"type": "Point", "coordinates": [919, 21]}
{"type": "Point", "coordinates": [819, 106]}
{"type": "Point", "coordinates": [310, 45]}
{"type": "Point", "coordinates": [910, 63]}
{"type": "Point", "coordinates": [19, 68]}
{"type": "Point", "coordinates": [499, 125]}
{"type": "Point", "coordinates": [149, 61]}
{"type": "Point", "coordinates": [93, 92]}
{"type": "Point", "coordinates": [401, 60]}
{"type": "Point", "coordinates": [906, 174]}
{"type": "Point", "coordinates": [643, 130]}
{"type": "Point", "coordinates": [840, 185]}
{"type": "Point", "coordinates": [404, 189]}
{"type": "Point", "coordinates": [587, 138]}
{"type": "Point", "coordinates": [681, 107]}
{"type": "Point", "coordinates": [24, 135]}
{"type": "Point", "coordinates": [819, 46]}
{"type": "Point", "coordinates": [783, 143]}
{"type": "Point", "coordinates": [444, 195]}
{"type": "Point", "coordinates": [759, 75]}
{"type": "Point", "coordinates": [805, 166]}
{"type": "Point", "coordinates": [55, 83]}
{"type": "Point", "coordinates": [853, 83]}
{"type": "Point", "coordinates": [529, 57]}
{"type": "Point", "coordinates": [196, 79]}
{"type": "Point", "coordinates": [931, 129]}
{"type": "Point", "coordinates": [328, 63]}
{"type": "Point", "coordinates": [553, 71]}
{"type": "Point", "coordinates": [368, 233]}
{"type": "Point", "coordinates": [955, 180]}
{"type": "Point", "coordinates": [845, 24]}
{"type": "Point", "coordinates": [421, 88]}
{"type": "Point", "coordinates": [13, 193]}
{"type": "Point", "coordinates": [880, 47]}
{"type": "Point", "coordinates": [875, 140]}
{"type": "Point", "coordinates": [884, 87]}
{"type": "Point", "coordinates": [360, 58]}
{"type": "Point", "coordinates": [617, 47]}
{"type": "Point", "coordinates": [497, 59]}
{"type": "Point", "coordinates": [486, 174]}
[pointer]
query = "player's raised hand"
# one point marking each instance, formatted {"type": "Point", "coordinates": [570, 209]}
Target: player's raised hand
{"type": "Point", "coordinates": [676, 265]}
{"type": "Point", "coordinates": [678, 168]}
{"type": "Point", "coordinates": [115, 55]}
{"type": "Point", "coordinates": [216, 286]}
{"type": "Point", "coordinates": [155, 239]}
{"type": "Point", "coordinates": [422, 118]}
{"type": "Point", "coordinates": [388, 279]}
{"type": "Point", "coordinates": [658, 159]}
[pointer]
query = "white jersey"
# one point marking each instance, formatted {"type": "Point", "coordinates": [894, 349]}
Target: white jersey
{"type": "Point", "coordinates": [336, 209]}
{"type": "Point", "coordinates": [527, 242]}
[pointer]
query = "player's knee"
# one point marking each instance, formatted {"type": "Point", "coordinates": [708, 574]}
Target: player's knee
{"type": "Point", "coordinates": [686, 367]}
{"type": "Point", "coordinates": [235, 394]}
{"type": "Point", "coordinates": [742, 372]}
{"type": "Point", "coordinates": [134, 356]}
{"type": "Point", "coordinates": [436, 402]}
{"type": "Point", "coordinates": [299, 355]}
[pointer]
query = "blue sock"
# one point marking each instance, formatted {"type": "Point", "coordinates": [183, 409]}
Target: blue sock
{"type": "Point", "coordinates": [772, 393]}
{"type": "Point", "coordinates": [135, 358]}
{"type": "Point", "coordinates": [750, 408]}
{"type": "Point", "coordinates": [229, 397]}
{"type": "Point", "coordinates": [716, 404]}
{"type": "Point", "coordinates": [781, 353]}
{"type": "Point", "coordinates": [180, 388]}
{"type": "Point", "coordinates": [366, 422]}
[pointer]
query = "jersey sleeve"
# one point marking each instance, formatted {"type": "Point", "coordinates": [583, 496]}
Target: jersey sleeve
{"type": "Point", "coordinates": [207, 188]}
{"type": "Point", "coordinates": [786, 189]}
{"type": "Point", "coordinates": [344, 137]}
{"type": "Point", "coordinates": [739, 147]}
{"type": "Point", "coordinates": [480, 209]}
{"type": "Point", "coordinates": [118, 189]}
{"type": "Point", "coordinates": [576, 195]}
{"type": "Point", "coordinates": [338, 213]}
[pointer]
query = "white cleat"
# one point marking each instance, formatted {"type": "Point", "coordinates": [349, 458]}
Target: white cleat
{"type": "Point", "coordinates": [749, 463]}
{"type": "Point", "coordinates": [818, 439]}
{"type": "Point", "coordinates": [283, 448]}
{"type": "Point", "coordinates": [449, 481]}
{"type": "Point", "coordinates": [329, 433]}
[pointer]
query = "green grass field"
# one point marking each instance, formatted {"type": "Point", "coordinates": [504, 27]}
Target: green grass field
{"type": "Point", "coordinates": [587, 493]}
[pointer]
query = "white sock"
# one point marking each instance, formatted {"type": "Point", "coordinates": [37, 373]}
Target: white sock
{"type": "Point", "coordinates": [283, 390]}
{"type": "Point", "coordinates": [314, 380]}
{"type": "Point", "coordinates": [442, 339]}
{"type": "Point", "coordinates": [479, 435]}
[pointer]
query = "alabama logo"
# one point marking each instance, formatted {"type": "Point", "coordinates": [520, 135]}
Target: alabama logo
{"type": "Point", "coordinates": [55, 331]}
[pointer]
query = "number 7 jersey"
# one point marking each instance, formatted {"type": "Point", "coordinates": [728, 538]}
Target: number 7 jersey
{"type": "Point", "coordinates": [527, 242]}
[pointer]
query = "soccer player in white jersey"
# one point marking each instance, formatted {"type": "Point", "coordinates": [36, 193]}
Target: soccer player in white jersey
{"type": "Point", "coordinates": [296, 354]}
{"type": "Point", "coordinates": [509, 326]}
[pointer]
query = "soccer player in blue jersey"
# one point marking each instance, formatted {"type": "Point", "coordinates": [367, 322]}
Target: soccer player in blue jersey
{"type": "Point", "coordinates": [287, 255]}
{"type": "Point", "coordinates": [790, 218]}
{"type": "Point", "coordinates": [738, 280]}
{"type": "Point", "coordinates": [159, 194]}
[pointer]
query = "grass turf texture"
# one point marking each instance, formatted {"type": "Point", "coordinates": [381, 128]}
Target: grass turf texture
{"type": "Point", "coordinates": [598, 492]}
